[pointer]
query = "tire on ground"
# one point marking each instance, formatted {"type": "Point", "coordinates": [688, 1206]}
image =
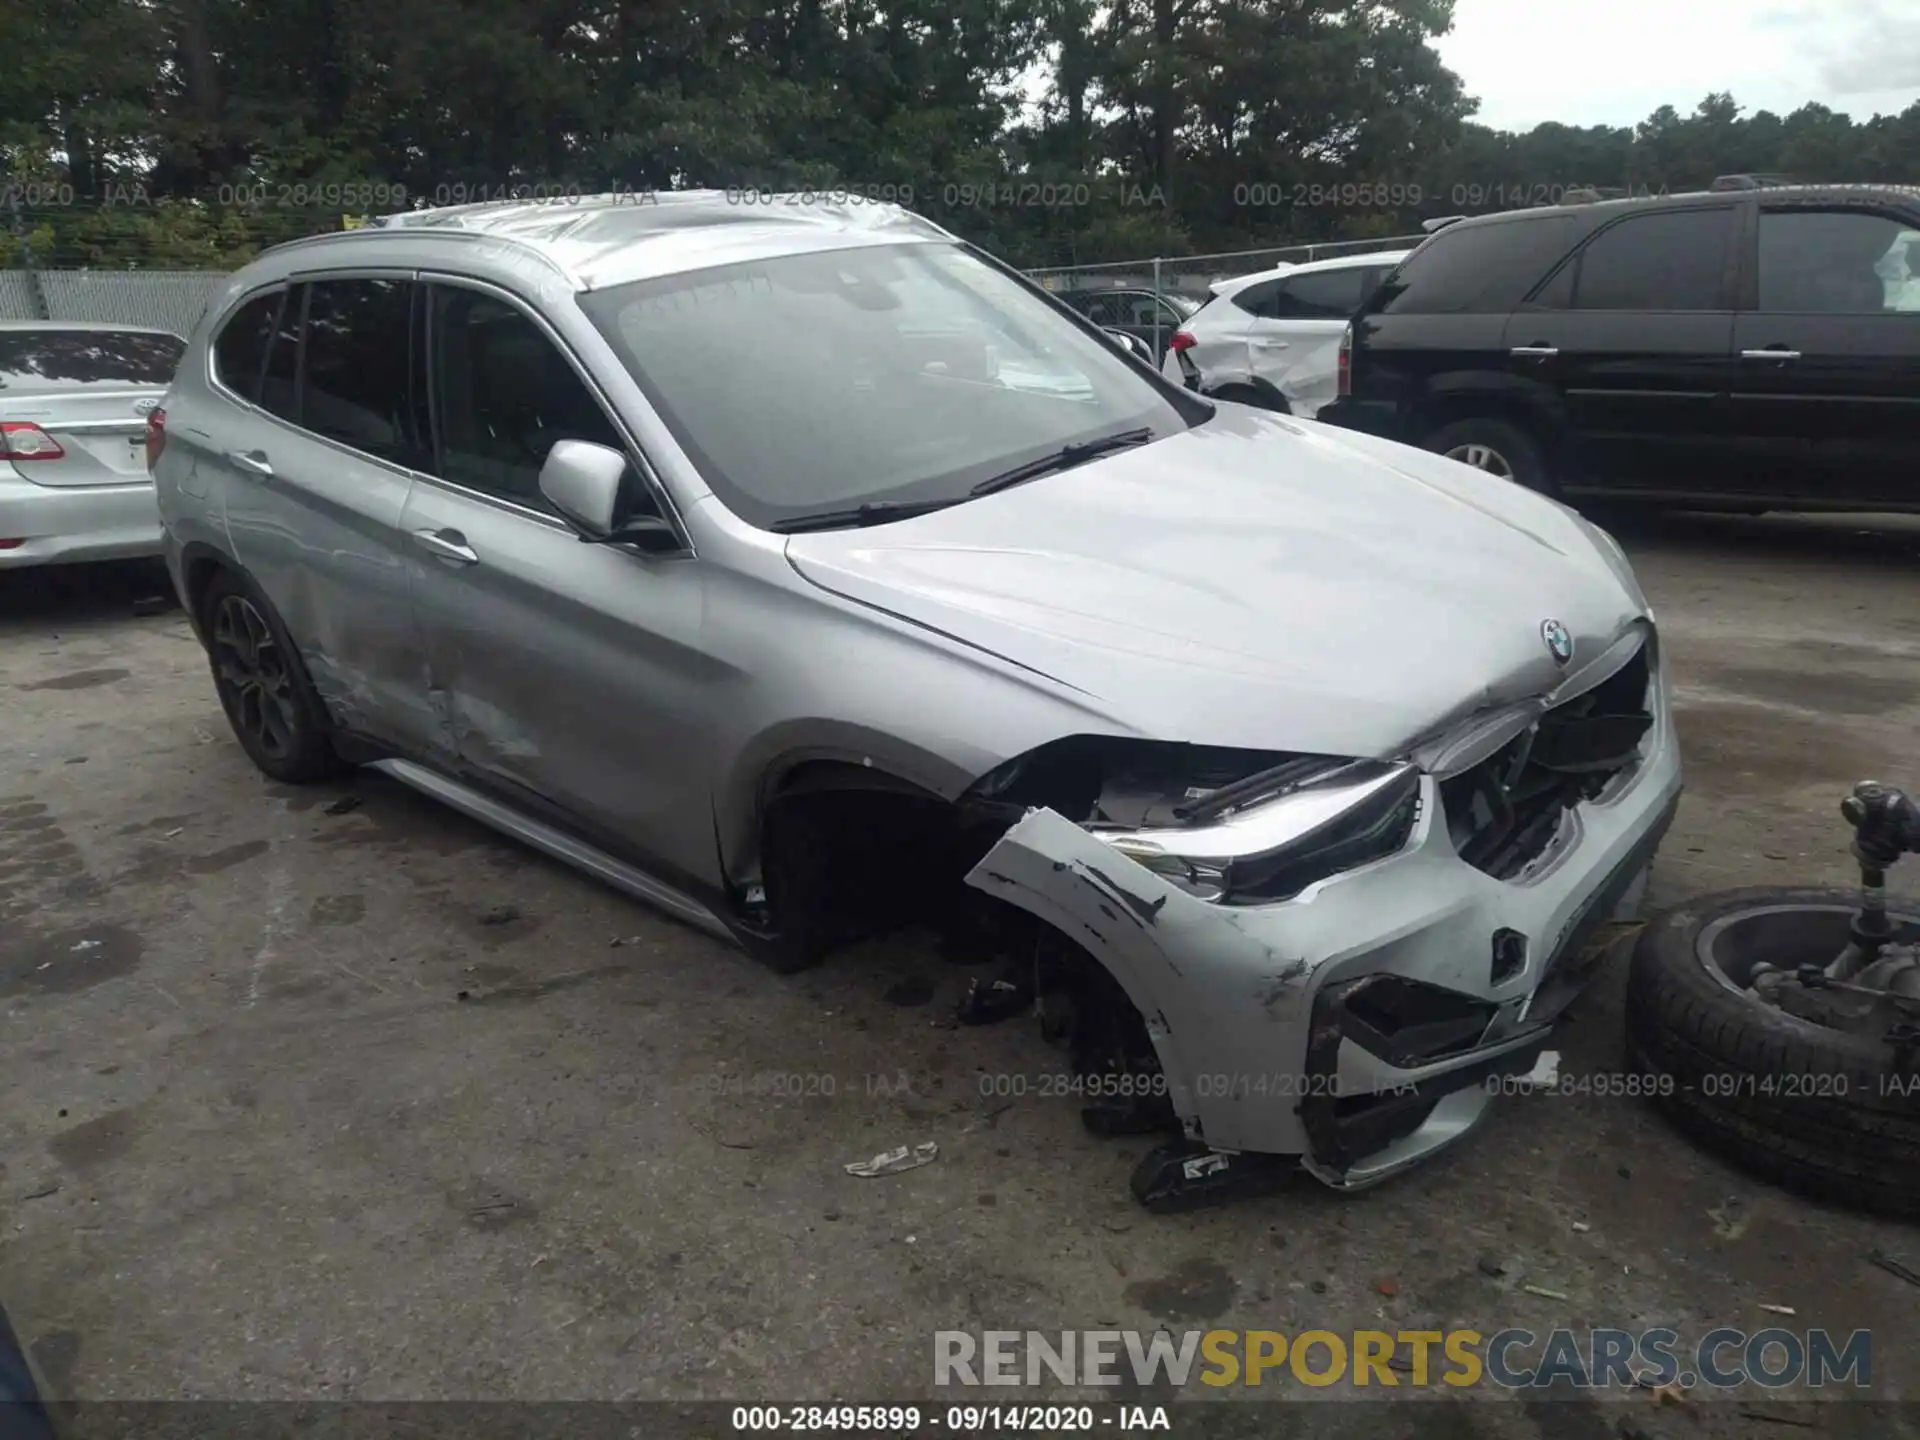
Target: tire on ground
{"type": "Point", "coordinates": [1521, 451]}
{"type": "Point", "coordinates": [311, 755]}
{"type": "Point", "coordinates": [1829, 1114]}
{"type": "Point", "coordinates": [1250, 395]}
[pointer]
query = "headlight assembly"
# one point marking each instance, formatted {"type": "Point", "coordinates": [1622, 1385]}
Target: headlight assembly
{"type": "Point", "coordinates": [1274, 848]}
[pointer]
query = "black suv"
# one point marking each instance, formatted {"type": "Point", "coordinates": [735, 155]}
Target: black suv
{"type": "Point", "coordinates": [1755, 349]}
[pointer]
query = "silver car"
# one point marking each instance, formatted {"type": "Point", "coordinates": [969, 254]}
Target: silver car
{"type": "Point", "coordinates": [74, 406]}
{"type": "Point", "coordinates": [799, 569]}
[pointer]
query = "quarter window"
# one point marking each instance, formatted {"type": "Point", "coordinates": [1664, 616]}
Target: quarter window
{"type": "Point", "coordinates": [1324, 295]}
{"type": "Point", "coordinates": [1825, 262]}
{"type": "Point", "coordinates": [1670, 260]}
{"type": "Point", "coordinates": [503, 395]}
{"type": "Point", "coordinates": [357, 380]}
{"type": "Point", "coordinates": [241, 350]}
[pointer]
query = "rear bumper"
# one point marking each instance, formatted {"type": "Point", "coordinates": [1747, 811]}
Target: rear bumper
{"type": "Point", "coordinates": [59, 525]}
{"type": "Point", "coordinates": [1371, 417]}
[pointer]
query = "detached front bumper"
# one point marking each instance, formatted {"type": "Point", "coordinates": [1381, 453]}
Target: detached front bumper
{"type": "Point", "coordinates": [1356, 1025]}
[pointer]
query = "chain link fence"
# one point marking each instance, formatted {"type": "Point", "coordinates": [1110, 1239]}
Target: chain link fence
{"type": "Point", "coordinates": [161, 299]}
{"type": "Point", "coordinates": [176, 299]}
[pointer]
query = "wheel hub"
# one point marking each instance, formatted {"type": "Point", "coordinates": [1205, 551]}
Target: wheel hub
{"type": "Point", "coordinates": [251, 672]}
{"type": "Point", "coordinates": [1482, 457]}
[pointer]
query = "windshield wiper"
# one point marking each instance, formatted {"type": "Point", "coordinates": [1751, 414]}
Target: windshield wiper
{"type": "Point", "coordinates": [1063, 458]}
{"type": "Point", "coordinates": [874, 512]}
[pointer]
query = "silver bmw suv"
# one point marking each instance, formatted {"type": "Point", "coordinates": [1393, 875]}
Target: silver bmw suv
{"type": "Point", "coordinates": [799, 569]}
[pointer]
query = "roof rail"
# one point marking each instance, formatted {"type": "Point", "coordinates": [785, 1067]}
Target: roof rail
{"type": "Point", "coordinates": [1751, 182]}
{"type": "Point", "coordinates": [1440, 222]}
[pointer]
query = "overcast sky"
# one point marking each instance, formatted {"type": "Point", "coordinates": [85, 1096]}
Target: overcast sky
{"type": "Point", "coordinates": [1583, 62]}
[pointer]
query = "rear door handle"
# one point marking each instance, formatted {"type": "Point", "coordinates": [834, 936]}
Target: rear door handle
{"type": "Point", "coordinates": [448, 545]}
{"type": "Point", "coordinates": [1535, 352]}
{"type": "Point", "coordinates": [251, 462]}
{"type": "Point", "coordinates": [1774, 354]}
{"type": "Point", "coordinates": [1272, 344]}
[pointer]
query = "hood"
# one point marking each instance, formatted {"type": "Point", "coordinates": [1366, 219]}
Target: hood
{"type": "Point", "coordinates": [1258, 581]}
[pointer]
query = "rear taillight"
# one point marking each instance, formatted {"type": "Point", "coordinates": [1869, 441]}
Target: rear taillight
{"type": "Point", "coordinates": [1344, 365]}
{"type": "Point", "coordinates": [1182, 340]}
{"type": "Point", "coordinates": [23, 440]}
{"type": "Point", "coordinates": [156, 436]}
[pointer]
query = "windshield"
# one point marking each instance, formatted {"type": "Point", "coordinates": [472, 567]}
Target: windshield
{"type": "Point", "coordinates": [807, 383]}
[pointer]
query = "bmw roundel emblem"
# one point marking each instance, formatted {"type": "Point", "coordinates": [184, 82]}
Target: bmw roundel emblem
{"type": "Point", "coordinates": [1559, 642]}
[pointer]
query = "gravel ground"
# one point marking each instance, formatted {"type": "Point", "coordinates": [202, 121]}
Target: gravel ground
{"type": "Point", "coordinates": [370, 1104]}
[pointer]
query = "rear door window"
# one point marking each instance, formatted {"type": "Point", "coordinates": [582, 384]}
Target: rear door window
{"type": "Point", "coordinates": [1476, 268]}
{"type": "Point", "coordinates": [240, 352]}
{"type": "Point", "coordinates": [62, 359]}
{"type": "Point", "coordinates": [1669, 260]}
{"type": "Point", "coordinates": [357, 381]}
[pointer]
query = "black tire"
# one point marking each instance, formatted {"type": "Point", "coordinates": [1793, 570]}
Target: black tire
{"type": "Point", "coordinates": [1824, 1112]}
{"type": "Point", "coordinates": [1250, 395]}
{"type": "Point", "coordinates": [1515, 454]}
{"type": "Point", "coordinates": [269, 700]}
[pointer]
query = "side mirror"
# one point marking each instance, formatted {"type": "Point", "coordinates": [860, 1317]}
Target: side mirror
{"type": "Point", "coordinates": [1131, 343]}
{"type": "Point", "coordinates": [584, 482]}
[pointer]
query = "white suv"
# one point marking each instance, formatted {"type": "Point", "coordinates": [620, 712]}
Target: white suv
{"type": "Point", "coordinates": [1273, 338]}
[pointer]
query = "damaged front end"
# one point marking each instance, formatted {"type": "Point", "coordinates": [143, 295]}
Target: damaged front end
{"type": "Point", "coordinates": [1334, 959]}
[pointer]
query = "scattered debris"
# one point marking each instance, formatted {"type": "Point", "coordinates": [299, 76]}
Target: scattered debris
{"type": "Point", "coordinates": [1747, 1412]}
{"type": "Point", "coordinates": [620, 940]}
{"type": "Point", "coordinates": [1491, 1264]}
{"type": "Point", "coordinates": [76, 760]}
{"type": "Point", "coordinates": [1545, 1073]}
{"type": "Point", "coordinates": [1543, 1292]}
{"type": "Point", "coordinates": [989, 1004]}
{"type": "Point", "coordinates": [42, 1192]}
{"type": "Point", "coordinates": [892, 1162]}
{"type": "Point", "coordinates": [1730, 1219]}
{"type": "Point", "coordinates": [830, 1215]}
{"type": "Point", "coordinates": [462, 995]}
{"type": "Point", "coordinates": [1625, 1172]}
{"type": "Point", "coordinates": [1581, 1227]}
{"type": "Point", "coordinates": [148, 605]}
{"type": "Point", "coordinates": [1387, 1286]}
{"type": "Point", "coordinates": [1778, 1309]}
{"type": "Point", "coordinates": [1893, 1267]}
{"type": "Point", "coordinates": [345, 805]}
{"type": "Point", "coordinates": [500, 915]}
{"type": "Point", "coordinates": [1319, 1287]}
{"type": "Point", "coordinates": [85, 945]}
{"type": "Point", "coordinates": [175, 832]}
{"type": "Point", "coordinates": [1670, 1393]}
{"type": "Point", "coordinates": [1402, 1363]}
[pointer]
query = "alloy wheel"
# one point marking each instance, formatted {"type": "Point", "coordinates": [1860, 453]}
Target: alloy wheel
{"type": "Point", "coordinates": [253, 676]}
{"type": "Point", "coordinates": [1482, 457]}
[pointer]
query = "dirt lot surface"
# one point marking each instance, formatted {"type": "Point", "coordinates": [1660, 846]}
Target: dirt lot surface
{"type": "Point", "coordinates": [299, 1104]}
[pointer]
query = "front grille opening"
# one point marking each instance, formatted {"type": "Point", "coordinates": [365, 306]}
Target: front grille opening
{"type": "Point", "coordinates": [1414, 1023]}
{"type": "Point", "coordinates": [1504, 813]}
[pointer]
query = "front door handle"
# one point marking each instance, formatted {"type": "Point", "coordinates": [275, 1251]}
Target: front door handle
{"type": "Point", "coordinates": [1535, 352]}
{"type": "Point", "coordinates": [1777, 353]}
{"type": "Point", "coordinates": [251, 462]}
{"type": "Point", "coordinates": [449, 545]}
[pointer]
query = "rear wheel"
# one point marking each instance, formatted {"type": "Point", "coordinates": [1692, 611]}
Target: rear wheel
{"type": "Point", "coordinates": [1249, 395]}
{"type": "Point", "coordinates": [271, 704]}
{"type": "Point", "coordinates": [1498, 447]}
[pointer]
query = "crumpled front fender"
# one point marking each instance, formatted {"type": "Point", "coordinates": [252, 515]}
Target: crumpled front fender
{"type": "Point", "coordinates": [1192, 970]}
